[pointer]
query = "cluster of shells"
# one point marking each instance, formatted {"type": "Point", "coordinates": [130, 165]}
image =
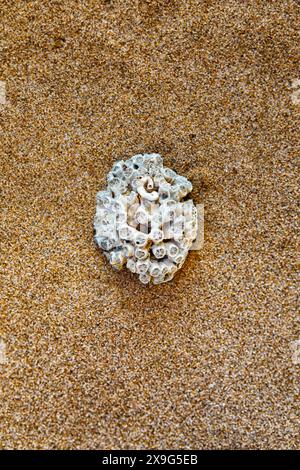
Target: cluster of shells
{"type": "Point", "coordinates": [143, 220]}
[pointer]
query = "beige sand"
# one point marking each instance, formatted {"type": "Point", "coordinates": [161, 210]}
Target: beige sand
{"type": "Point", "coordinates": [90, 357]}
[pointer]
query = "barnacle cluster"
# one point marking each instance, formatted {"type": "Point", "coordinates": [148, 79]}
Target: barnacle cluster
{"type": "Point", "coordinates": [142, 220]}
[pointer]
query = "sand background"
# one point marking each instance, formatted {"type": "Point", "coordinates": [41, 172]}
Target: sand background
{"type": "Point", "coordinates": [90, 357]}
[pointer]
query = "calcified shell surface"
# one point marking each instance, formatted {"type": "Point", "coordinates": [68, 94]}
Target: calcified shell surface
{"type": "Point", "coordinates": [143, 220]}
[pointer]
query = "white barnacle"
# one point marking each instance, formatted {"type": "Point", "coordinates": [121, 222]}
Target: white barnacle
{"type": "Point", "coordinates": [165, 191]}
{"type": "Point", "coordinates": [155, 268]}
{"type": "Point", "coordinates": [159, 250]}
{"type": "Point", "coordinates": [117, 259]}
{"type": "Point", "coordinates": [158, 279]}
{"type": "Point", "coordinates": [142, 221]}
{"type": "Point", "coordinates": [128, 249]}
{"type": "Point", "coordinates": [104, 242]}
{"type": "Point", "coordinates": [145, 278]}
{"type": "Point", "coordinates": [104, 198]}
{"type": "Point", "coordinates": [141, 253]}
{"type": "Point", "coordinates": [126, 232]}
{"type": "Point", "coordinates": [141, 215]}
{"type": "Point", "coordinates": [118, 169]}
{"type": "Point", "coordinates": [172, 250]}
{"type": "Point", "coordinates": [142, 266]}
{"type": "Point", "coordinates": [156, 235]}
{"type": "Point", "coordinates": [131, 265]}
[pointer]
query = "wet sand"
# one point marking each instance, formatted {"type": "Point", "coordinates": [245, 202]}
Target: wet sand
{"type": "Point", "coordinates": [90, 358]}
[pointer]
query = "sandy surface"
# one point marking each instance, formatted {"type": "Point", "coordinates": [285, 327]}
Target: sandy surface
{"type": "Point", "coordinates": [90, 358]}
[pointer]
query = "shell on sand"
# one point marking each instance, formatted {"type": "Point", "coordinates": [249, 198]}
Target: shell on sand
{"type": "Point", "coordinates": [141, 220]}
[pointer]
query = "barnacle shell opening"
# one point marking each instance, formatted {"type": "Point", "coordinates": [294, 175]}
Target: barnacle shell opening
{"type": "Point", "coordinates": [141, 221]}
